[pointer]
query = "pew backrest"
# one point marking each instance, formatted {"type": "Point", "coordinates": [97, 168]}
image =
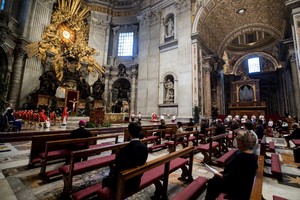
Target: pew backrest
{"type": "Point", "coordinates": [164, 160]}
{"type": "Point", "coordinates": [256, 193]}
{"type": "Point", "coordinates": [144, 130]}
{"type": "Point", "coordinates": [38, 145]}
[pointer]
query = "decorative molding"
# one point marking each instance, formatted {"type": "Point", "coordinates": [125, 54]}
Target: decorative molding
{"type": "Point", "coordinates": [149, 18]}
{"type": "Point", "coordinates": [206, 68]}
{"type": "Point", "coordinates": [168, 46]}
{"type": "Point", "coordinates": [99, 25]}
{"type": "Point", "coordinates": [20, 52]}
{"type": "Point", "coordinates": [180, 5]}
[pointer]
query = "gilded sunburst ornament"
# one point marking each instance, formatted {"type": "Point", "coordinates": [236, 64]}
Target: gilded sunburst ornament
{"type": "Point", "coordinates": [67, 34]}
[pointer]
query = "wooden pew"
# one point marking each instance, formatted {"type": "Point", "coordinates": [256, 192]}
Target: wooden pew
{"type": "Point", "coordinates": [256, 193]}
{"type": "Point", "coordinates": [27, 135]}
{"type": "Point", "coordinates": [144, 129]}
{"type": "Point", "coordinates": [189, 136]}
{"type": "Point", "coordinates": [38, 146]}
{"type": "Point", "coordinates": [76, 168]}
{"type": "Point", "coordinates": [159, 132]}
{"type": "Point", "coordinates": [192, 190]}
{"type": "Point", "coordinates": [153, 171]}
{"type": "Point", "coordinates": [190, 128]}
{"type": "Point", "coordinates": [58, 149]}
{"type": "Point", "coordinates": [38, 143]}
{"type": "Point", "coordinates": [215, 145]}
{"type": "Point", "coordinates": [224, 159]}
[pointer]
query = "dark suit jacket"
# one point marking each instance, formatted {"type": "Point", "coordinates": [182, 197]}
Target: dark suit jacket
{"type": "Point", "coordinates": [81, 132]}
{"type": "Point", "coordinates": [132, 155]}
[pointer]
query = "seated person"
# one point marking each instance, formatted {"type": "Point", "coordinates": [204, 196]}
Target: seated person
{"type": "Point", "coordinates": [179, 130]}
{"type": "Point", "coordinates": [10, 119]}
{"type": "Point", "coordinates": [190, 124]}
{"type": "Point", "coordinates": [203, 126]}
{"type": "Point", "coordinates": [220, 128]}
{"type": "Point", "coordinates": [294, 135]}
{"type": "Point", "coordinates": [237, 178]}
{"type": "Point", "coordinates": [80, 132]}
{"type": "Point", "coordinates": [162, 126]}
{"type": "Point", "coordinates": [260, 130]}
{"type": "Point", "coordinates": [132, 155]}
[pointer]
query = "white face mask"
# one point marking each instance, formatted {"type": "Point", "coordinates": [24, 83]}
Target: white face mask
{"type": "Point", "coordinates": [234, 143]}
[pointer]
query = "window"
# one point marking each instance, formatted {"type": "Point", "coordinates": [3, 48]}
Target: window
{"type": "Point", "coordinates": [125, 46]}
{"type": "Point", "coordinates": [253, 65]}
{"type": "Point", "coordinates": [2, 4]}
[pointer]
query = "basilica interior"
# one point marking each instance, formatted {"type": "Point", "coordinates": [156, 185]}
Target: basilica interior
{"type": "Point", "coordinates": [109, 59]}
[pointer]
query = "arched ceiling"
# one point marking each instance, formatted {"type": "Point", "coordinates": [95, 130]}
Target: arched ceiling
{"type": "Point", "coordinates": [222, 27]}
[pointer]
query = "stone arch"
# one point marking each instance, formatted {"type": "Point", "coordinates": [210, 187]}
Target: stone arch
{"type": "Point", "coordinates": [266, 56]}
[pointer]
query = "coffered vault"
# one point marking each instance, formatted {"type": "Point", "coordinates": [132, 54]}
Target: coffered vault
{"type": "Point", "coordinates": [222, 22]}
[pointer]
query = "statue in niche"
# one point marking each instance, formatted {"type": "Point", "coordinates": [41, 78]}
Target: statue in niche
{"type": "Point", "coordinates": [98, 89]}
{"type": "Point", "coordinates": [122, 94]}
{"type": "Point", "coordinates": [83, 87]}
{"type": "Point", "coordinates": [48, 83]}
{"type": "Point", "coordinates": [125, 107]}
{"type": "Point", "coordinates": [169, 27]}
{"type": "Point", "coordinates": [246, 93]}
{"type": "Point", "coordinates": [169, 88]}
{"type": "Point", "coordinates": [122, 70]}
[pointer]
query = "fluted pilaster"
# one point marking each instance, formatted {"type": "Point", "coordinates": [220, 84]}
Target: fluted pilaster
{"type": "Point", "coordinates": [207, 88]}
{"type": "Point", "coordinates": [133, 87]}
{"type": "Point", "coordinates": [16, 79]}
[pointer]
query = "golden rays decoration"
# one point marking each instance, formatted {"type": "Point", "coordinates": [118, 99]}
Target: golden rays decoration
{"type": "Point", "coordinates": [67, 34]}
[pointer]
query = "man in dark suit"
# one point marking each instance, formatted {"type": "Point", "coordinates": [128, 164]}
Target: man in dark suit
{"type": "Point", "coordinates": [81, 132]}
{"type": "Point", "coordinates": [132, 155]}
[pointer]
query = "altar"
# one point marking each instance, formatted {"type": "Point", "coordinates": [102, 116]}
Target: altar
{"type": "Point", "coordinates": [114, 117]}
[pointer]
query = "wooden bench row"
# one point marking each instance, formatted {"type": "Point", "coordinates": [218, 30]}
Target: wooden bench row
{"type": "Point", "coordinates": [60, 149]}
{"type": "Point", "coordinates": [154, 172]}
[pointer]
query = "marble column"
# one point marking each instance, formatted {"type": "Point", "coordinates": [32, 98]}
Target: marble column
{"type": "Point", "coordinates": [207, 89]}
{"type": "Point", "coordinates": [16, 79]}
{"type": "Point", "coordinates": [295, 80]}
{"type": "Point", "coordinates": [106, 86]}
{"type": "Point", "coordinates": [133, 87]}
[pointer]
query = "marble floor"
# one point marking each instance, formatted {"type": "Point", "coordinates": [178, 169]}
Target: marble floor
{"type": "Point", "coordinates": [16, 182]}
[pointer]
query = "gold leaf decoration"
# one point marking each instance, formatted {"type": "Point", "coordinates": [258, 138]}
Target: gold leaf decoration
{"type": "Point", "coordinates": [67, 34]}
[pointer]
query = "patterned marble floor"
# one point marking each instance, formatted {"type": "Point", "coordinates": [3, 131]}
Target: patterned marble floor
{"type": "Point", "coordinates": [16, 182]}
